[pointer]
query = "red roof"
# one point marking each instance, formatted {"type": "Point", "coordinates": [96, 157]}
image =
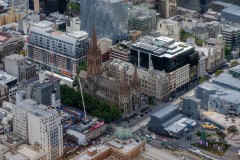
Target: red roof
{"type": "Point", "coordinates": [4, 37]}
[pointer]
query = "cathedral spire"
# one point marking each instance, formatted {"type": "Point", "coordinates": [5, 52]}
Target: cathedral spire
{"type": "Point", "coordinates": [135, 81]}
{"type": "Point", "coordinates": [94, 58]}
{"type": "Point", "coordinates": [124, 90]}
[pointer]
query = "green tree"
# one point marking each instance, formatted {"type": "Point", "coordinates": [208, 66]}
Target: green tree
{"type": "Point", "coordinates": [23, 53]}
{"type": "Point", "coordinates": [202, 79]}
{"type": "Point", "coordinates": [227, 51]}
{"type": "Point", "coordinates": [232, 129]}
{"type": "Point", "coordinates": [234, 63]}
{"type": "Point", "coordinates": [221, 135]}
{"type": "Point", "coordinates": [185, 35]}
{"type": "Point", "coordinates": [198, 133]}
{"type": "Point", "coordinates": [73, 6]}
{"type": "Point", "coordinates": [100, 109]}
{"type": "Point", "coordinates": [218, 72]}
{"type": "Point", "coordinates": [115, 112]}
{"type": "Point", "coordinates": [150, 100]}
{"type": "Point", "coordinates": [106, 116]}
{"type": "Point", "coordinates": [83, 66]}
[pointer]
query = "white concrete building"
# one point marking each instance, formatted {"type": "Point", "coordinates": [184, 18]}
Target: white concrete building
{"type": "Point", "coordinates": [179, 78]}
{"type": "Point", "coordinates": [74, 25]}
{"type": "Point", "coordinates": [169, 28]}
{"type": "Point", "coordinates": [40, 126]}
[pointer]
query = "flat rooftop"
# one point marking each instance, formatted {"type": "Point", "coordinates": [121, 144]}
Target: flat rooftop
{"type": "Point", "coordinates": [181, 124]}
{"type": "Point", "coordinates": [15, 57]}
{"type": "Point", "coordinates": [6, 78]}
{"type": "Point", "coordinates": [37, 110]}
{"type": "Point", "coordinates": [164, 111]}
{"type": "Point", "coordinates": [126, 147]}
{"type": "Point", "coordinates": [84, 156]}
{"type": "Point", "coordinates": [235, 69]}
{"type": "Point", "coordinates": [211, 87]}
{"type": "Point", "coordinates": [220, 119]}
{"type": "Point", "coordinates": [227, 81]}
{"type": "Point", "coordinates": [30, 151]}
{"type": "Point", "coordinates": [234, 10]}
{"type": "Point", "coordinates": [231, 96]}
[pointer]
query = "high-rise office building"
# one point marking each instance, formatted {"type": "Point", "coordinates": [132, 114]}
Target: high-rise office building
{"type": "Point", "coordinates": [198, 5]}
{"type": "Point", "coordinates": [44, 6]}
{"type": "Point", "coordinates": [18, 66]}
{"type": "Point", "coordinates": [40, 126]}
{"type": "Point", "coordinates": [166, 8]}
{"type": "Point", "coordinates": [57, 51]}
{"type": "Point", "coordinates": [109, 17]}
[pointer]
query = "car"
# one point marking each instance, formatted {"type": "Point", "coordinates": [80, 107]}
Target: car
{"type": "Point", "coordinates": [153, 136]}
{"type": "Point", "coordinates": [164, 140]}
{"type": "Point", "coordinates": [181, 146]}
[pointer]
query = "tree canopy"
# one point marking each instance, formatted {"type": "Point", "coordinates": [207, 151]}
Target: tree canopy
{"type": "Point", "coordinates": [218, 72]}
{"type": "Point", "coordinates": [227, 51]}
{"type": "Point", "coordinates": [234, 63]}
{"type": "Point", "coordinates": [73, 6]}
{"type": "Point", "coordinates": [185, 35]}
{"type": "Point", "coordinates": [100, 109]}
{"type": "Point", "coordinates": [232, 129]}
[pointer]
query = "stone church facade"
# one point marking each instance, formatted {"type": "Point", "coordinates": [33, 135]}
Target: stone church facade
{"type": "Point", "coordinates": [96, 82]}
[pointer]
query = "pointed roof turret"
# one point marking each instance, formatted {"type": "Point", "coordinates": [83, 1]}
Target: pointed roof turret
{"type": "Point", "coordinates": [124, 90]}
{"type": "Point", "coordinates": [135, 80]}
{"type": "Point", "coordinates": [151, 65]}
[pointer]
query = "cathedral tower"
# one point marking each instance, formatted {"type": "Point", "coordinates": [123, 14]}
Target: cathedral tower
{"type": "Point", "coordinates": [94, 58]}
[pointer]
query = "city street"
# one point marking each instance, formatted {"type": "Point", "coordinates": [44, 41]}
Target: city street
{"type": "Point", "coordinates": [139, 123]}
{"type": "Point", "coordinates": [154, 153]}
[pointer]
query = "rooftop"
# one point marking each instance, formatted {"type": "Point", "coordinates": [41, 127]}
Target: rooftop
{"type": "Point", "coordinates": [38, 110]}
{"type": "Point", "coordinates": [235, 69]}
{"type": "Point", "coordinates": [4, 37]}
{"type": "Point", "coordinates": [235, 10]}
{"type": "Point", "coordinates": [193, 99]}
{"type": "Point", "coordinates": [162, 46]}
{"type": "Point", "coordinates": [220, 119]}
{"type": "Point", "coordinates": [30, 151]}
{"type": "Point", "coordinates": [227, 81]}
{"type": "Point", "coordinates": [85, 156]}
{"type": "Point", "coordinates": [164, 111]}
{"type": "Point", "coordinates": [211, 87]}
{"type": "Point", "coordinates": [222, 3]}
{"type": "Point", "coordinates": [228, 96]}
{"type": "Point", "coordinates": [126, 147]}
{"type": "Point", "coordinates": [6, 78]}
{"type": "Point", "coordinates": [180, 125]}
{"type": "Point", "coordinates": [15, 57]}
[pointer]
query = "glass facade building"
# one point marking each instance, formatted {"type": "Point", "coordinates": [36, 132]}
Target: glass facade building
{"type": "Point", "coordinates": [109, 17]}
{"type": "Point", "coordinates": [164, 52]}
{"type": "Point", "coordinates": [198, 5]}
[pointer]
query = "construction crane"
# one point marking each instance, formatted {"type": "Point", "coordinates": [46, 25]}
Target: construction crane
{"type": "Point", "coordinates": [83, 103]}
{"type": "Point", "coordinates": [53, 95]}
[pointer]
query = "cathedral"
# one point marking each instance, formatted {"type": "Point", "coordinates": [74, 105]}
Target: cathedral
{"type": "Point", "coordinates": [127, 94]}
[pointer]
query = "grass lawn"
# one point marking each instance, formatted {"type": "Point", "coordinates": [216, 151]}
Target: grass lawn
{"type": "Point", "coordinates": [210, 148]}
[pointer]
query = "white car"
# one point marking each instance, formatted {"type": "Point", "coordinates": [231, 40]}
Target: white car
{"type": "Point", "coordinates": [153, 136]}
